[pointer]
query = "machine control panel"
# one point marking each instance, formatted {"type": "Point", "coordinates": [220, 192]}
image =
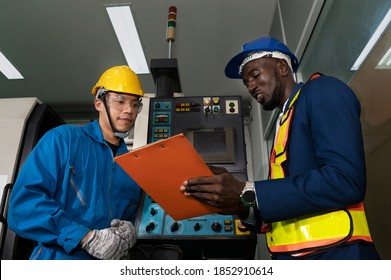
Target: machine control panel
{"type": "Point", "coordinates": [155, 223]}
{"type": "Point", "coordinates": [167, 113]}
{"type": "Point", "coordinates": [214, 126]}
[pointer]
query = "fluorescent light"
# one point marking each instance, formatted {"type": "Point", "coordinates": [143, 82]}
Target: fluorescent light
{"type": "Point", "coordinates": [371, 43]}
{"type": "Point", "coordinates": [385, 62]}
{"type": "Point", "coordinates": [8, 69]}
{"type": "Point", "coordinates": [125, 29]}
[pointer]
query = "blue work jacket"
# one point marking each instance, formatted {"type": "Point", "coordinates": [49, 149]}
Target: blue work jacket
{"type": "Point", "coordinates": [69, 185]}
{"type": "Point", "coordinates": [325, 167]}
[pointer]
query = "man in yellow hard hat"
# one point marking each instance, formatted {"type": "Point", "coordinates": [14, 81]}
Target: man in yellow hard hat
{"type": "Point", "coordinates": [116, 88]}
{"type": "Point", "coordinates": [70, 196]}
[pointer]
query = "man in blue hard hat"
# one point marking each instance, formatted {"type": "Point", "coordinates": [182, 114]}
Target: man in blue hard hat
{"type": "Point", "coordinates": [311, 206]}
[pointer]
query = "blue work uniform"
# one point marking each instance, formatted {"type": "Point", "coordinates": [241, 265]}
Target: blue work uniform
{"type": "Point", "coordinates": [325, 167]}
{"type": "Point", "coordinates": [70, 185]}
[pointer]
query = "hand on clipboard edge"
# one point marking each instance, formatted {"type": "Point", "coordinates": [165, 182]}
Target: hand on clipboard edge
{"type": "Point", "coordinates": [221, 191]}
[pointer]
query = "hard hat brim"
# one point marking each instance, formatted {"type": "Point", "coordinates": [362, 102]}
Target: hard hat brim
{"type": "Point", "coordinates": [232, 68]}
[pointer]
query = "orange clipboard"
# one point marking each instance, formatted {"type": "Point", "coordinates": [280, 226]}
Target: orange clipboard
{"type": "Point", "coordinates": [161, 167]}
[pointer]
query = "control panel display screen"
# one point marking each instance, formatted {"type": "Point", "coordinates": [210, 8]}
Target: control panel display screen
{"type": "Point", "coordinates": [215, 146]}
{"type": "Point", "coordinates": [207, 142]}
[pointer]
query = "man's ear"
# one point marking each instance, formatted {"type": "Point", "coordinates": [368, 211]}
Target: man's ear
{"type": "Point", "coordinates": [283, 67]}
{"type": "Point", "coordinates": [98, 103]}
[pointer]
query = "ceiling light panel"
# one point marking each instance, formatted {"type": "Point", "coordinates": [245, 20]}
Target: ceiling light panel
{"type": "Point", "coordinates": [8, 69]}
{"type": "Point", "coordinates": [372, 42]}
{"type": "Point", "coordinates": [385, 62]}
{"type": "Point", "coordinates": [122, 20]}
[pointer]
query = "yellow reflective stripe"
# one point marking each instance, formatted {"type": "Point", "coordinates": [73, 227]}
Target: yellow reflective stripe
{"type": "Point", "coordinates": [279, 149]}
{"type": "Point", "coordinates": [295, 97]}
{"type": "Point", "coordinates": [282, 135]}
{"type": "Point", "coordinates": [280, 157]}
{"type": "Point", "coordinates": [313, 231]}
{"type": "Point", "coordinates": [360, 225]}
{"type": "Point", "coordinates": [277, 171]}
{"type": "Point", "coordinates": [309, 228]}
{"type": "Point", "coordinates": [288, 113]}
{"type": "Point", "coordinates": [279, 152]}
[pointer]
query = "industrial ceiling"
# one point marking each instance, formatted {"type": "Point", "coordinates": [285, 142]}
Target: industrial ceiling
{"type": "Point", "coordinates": [62, 47]}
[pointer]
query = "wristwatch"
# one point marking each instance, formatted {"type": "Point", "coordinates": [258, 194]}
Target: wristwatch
{"type": "Point", "coordinates": [247, 197]}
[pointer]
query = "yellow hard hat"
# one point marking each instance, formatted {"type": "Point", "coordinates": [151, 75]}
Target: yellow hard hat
{"type": "Point", "coordinates": [120, 79]}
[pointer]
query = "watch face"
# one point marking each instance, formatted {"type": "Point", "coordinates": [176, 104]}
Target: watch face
{"type": "Point", "coordinates": [249, 196]}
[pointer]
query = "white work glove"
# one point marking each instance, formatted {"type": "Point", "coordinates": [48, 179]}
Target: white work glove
{"type": "Point", "coordinates": [104, 244]}
{"type": "Point", "coordinates": [125, 230]}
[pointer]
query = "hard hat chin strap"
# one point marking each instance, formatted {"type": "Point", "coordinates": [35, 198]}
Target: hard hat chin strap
{"type": "Point", "coordinates": [121, 135]}
{"type": "Point", "coordinates": [117, 133]}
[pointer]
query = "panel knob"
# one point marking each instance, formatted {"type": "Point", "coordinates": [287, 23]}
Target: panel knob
{"type": "Point", "coordinates": [150, 227]}
{"type": "Point", "coordinates": [174, 227]}
{"type": "Point", "coordinates": [216, 227]}
{"type": "Point", "coordinates": [197, 227]}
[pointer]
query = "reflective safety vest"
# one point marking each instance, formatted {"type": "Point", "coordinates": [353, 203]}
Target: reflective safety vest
{"type": "Point", "coordinates": [310, 233]}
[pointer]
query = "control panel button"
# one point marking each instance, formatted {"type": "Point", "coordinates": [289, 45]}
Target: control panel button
{"type": "Point", "coordinates": [207, 101]}
{"type": "Point", "coordinates": [231, 106]}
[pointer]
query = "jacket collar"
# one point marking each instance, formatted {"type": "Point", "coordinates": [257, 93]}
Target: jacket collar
{"type": "Point", "coordinates": [94, 131]}
{"type": "Point", "coordinates": [292, 94]}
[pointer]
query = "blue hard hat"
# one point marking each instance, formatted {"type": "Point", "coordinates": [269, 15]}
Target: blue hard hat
{"type": "Point", "coordinates": [260, 44]}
